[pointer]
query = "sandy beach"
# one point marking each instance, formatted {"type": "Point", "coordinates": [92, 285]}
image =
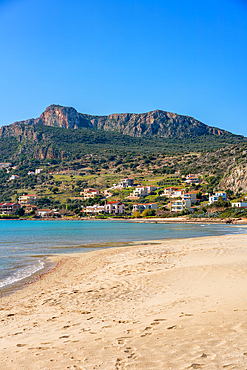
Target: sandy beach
{"type": "Point", "coordinates": [174, 304]}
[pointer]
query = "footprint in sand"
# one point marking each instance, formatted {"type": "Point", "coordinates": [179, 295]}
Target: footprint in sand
{"type": "Point", "coordinates": [172, 327]}
{"type": "Point", "coordinates": [144, 335]}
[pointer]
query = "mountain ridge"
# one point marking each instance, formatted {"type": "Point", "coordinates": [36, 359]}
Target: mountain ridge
{"type": "Point", "coordinates": [157, 123]}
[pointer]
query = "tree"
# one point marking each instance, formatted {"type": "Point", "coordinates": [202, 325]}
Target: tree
{"type": "Point", "coordinates": [137, 214]}
{"type": "Point", "coordinates": [199, 195]}
{"type": "Point", "coordinates": [148, 212]}
{"type": "Point", "coordinates": [20, 212]}
{"type": "Point", "coordinates": [54, 189]}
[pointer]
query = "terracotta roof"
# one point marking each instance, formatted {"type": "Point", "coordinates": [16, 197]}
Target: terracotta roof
{"type": "Point", "coordinates": [45, 210]}
{"type": "Point", "coordinates": [8, 204]}
{"type": "Point", "coordinates": [28, 195]}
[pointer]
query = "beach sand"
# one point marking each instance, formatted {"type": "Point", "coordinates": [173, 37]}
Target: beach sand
{"type": "Point", "coordinates": [174, 304]}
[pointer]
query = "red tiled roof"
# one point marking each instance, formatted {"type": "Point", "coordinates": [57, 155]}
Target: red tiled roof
{"type": "Point", "coordinates": [45, 210]}
{"type": "Point", "coordinates": [8, 204]}
{"type": "Point", "coordinates": [28, 195]}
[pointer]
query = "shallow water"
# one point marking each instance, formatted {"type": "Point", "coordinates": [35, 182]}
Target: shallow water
{"type": "Point", "coordinates": [24, 245]}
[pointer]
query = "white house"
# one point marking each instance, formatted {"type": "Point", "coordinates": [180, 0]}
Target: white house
{"type": "Point", "coordinates": [13, 177]}
{"type": "Point", "coordinates": [95, 209]}
{"type": "Point", "coordinates": [192, 179]}
{"type": "Point", "coordinates": [142, 207]}
{"type": "Point", "coordinates": [189, 196]}
{"type": "Point", "coordinates": [213, 198]}
{"type": "Point", "coordinates": [239, 204]}
{"type": "Point", "coordinates": [4, 165]}
{"type": "Point", "coordinates": [27, 199]}
{"type": "Point", "coordinates": [9, 208]}
{"type": "Point", "coordinates": [32, 173]}
{"type": "Point", "coordinates": [125, 183]}
{"type": "Point", "coordinates": [90, 193]}
{"type": "Point", "coordinates": [172, 192]}
{"type": "Point", "coordinates": [38, 170]}
{"type": "Point", "coordinates": [180, 205]}
{"type": "Point", "coordinates": [115, 207]}
{"type": "Point", "coordinates": [151, 188]}
{"type": "Point", "coordinates": [140, 191]}
{"type": "Point", "coordinates": [45, 212]}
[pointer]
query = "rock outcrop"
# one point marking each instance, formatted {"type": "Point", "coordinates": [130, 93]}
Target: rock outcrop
{"type": "Point", "coordinates": [236, 180]}
{"type": "Point", "coordinates": [156, 123]}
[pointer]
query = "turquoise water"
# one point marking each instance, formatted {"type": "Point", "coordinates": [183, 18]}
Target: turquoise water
{"type": "Point", "coordinates": [24, 245]}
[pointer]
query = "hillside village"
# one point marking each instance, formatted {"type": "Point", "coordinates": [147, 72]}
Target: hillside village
{"type": "Point", "coordinates": [48, 192]}
{"type": "Point", "coordinates": [156, 164]}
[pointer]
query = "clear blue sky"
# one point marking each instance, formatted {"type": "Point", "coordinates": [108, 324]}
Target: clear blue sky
{"type": "Point", "coordinates": [116, 56]}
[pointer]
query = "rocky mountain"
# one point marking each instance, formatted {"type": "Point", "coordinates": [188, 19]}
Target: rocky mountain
{"type": "Point", "coordinates": [157, 123]}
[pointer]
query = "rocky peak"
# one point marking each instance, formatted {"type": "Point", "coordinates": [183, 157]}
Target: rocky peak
{"type": "Point", "coordinates": [58, 116]}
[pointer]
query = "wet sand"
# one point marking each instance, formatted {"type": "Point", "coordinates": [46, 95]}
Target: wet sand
{"type": "Point", "coordinates": [174, 304]}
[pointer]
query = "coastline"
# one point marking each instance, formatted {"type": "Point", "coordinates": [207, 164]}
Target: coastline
{"type": "Point", "coordinates": [178, 303]}
{"type": "Point", "coordinates": [183, 220]}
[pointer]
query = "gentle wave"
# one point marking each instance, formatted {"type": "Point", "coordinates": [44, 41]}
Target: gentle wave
{"type": "Point", "coordinates": [22, 274]}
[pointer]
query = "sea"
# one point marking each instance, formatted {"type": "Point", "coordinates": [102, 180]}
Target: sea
{"type": "Point", "coordinates": [25, 246]}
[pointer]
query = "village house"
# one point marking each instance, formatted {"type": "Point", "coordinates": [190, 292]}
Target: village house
{"type": "Point", "coordinates": [32, 173]}
{"type": "Point", "coordinates": [95, 209]}
{"type": "Point", "coordinates": [140, 191]}
{"type": "Point", "coordinates": [4, 165]}
{"type": "Point", "coordinates": [180, 205]}
{"type": "Point", "coordinates": [141, 207]}
{"type": "Point", "coordinates": [90, 193]}
{"type": "Point", "coordinates": [38, 170]}
{"type": "Point", "coordinates": [192, 179]}
{"type": "Point", "coordinates": [213, 198]}
{"type": "Point", "coordinates": [239, 204]}
{"type": "Point", "coordinates": [151, 188]}
{"type": "Point", "coordinates": [46, 212]}
{"type": "Point", "coordinates": [172, 192]}
{"type": "Point", "coordinates": [114, 207]}
{"type": "Point", "coordinates": [189, 196]}
{"type": "Point", "coordinates": [27, 199]}
{"type": "Point", "coordinates": [30, 208]}
{"type": "Point", "coordinates": [9, 208]}
{"type": "Point", "coordinates": [13, 177]}
{"type": "Point", "coordinates": [143, 191]}
{"type": "Point", "coordinates": [126, 183]}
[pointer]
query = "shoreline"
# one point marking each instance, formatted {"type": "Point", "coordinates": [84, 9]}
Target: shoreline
{"type": "Point", "coordinates": [156, 304]}
{"type": "Point", "coordinates": [183, 220]}
{"type": "Point", "coordinates": [227, 221]}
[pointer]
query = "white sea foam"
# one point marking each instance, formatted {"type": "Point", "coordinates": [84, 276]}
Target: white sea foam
{"type": "Point", "coordinates": [22, 273]}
